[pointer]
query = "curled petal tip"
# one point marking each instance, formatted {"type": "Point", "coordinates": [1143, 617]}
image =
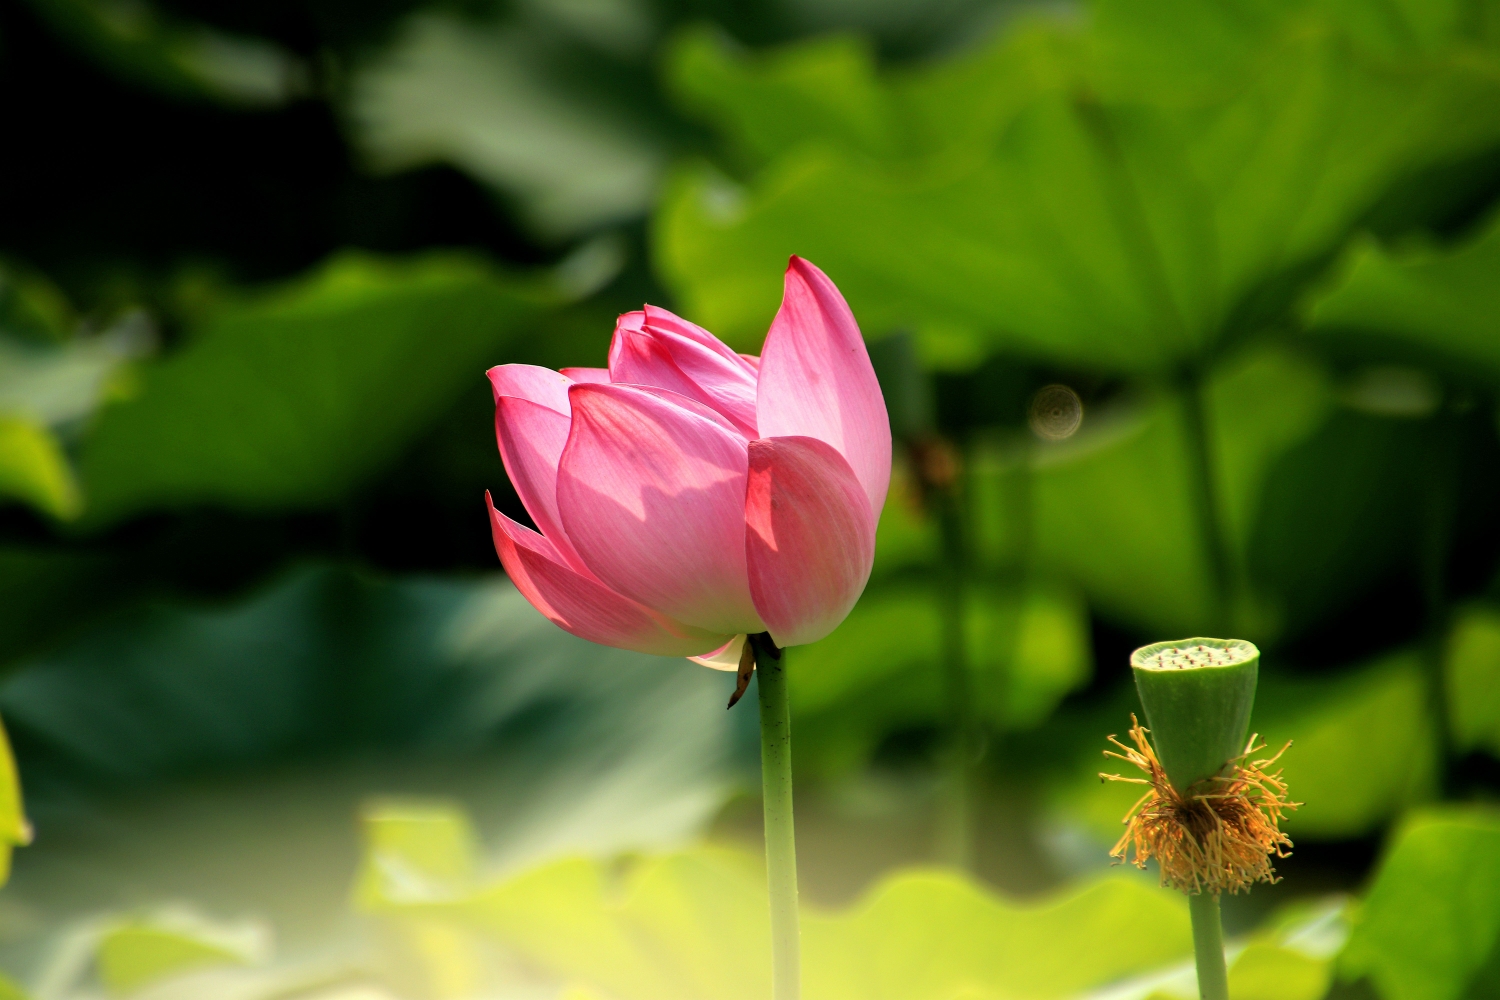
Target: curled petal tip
{"type": "Point", "coordinates": [816, 380]}
{"type": "Point", "coordinates": [726, 657]}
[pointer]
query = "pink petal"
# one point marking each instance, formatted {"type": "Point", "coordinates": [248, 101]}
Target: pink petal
{"type": "Point", "coordinates": [682, 402]}
{"type": "Point", "coordinates": [811, 538]}
{"type": "Point", "coordinates": [582, 605]}
{"type": "Point", "coordinates": [663, 321]}
{"type": "Point", "coordinates": [652, 494]}
{"type": "Point", "coordinates": [540, 385]}
{"type": "Point", "coordinates": [726, 657]}
{"type": "Point", "coordinates": [637, 358]}
{"type": "Point", "coordinates": [586, 374]}
{"type": "Point", "coordinates": [668, 361]}
{"type": "Point", "coordinates": [753, 360]}
{"type": "Point", "coordinates": [531, 440]}
{"type": "Point", "coordinates": [816, 380]}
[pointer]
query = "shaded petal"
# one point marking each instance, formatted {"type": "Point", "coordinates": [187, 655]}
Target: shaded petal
{"type": "Point", "coordinates": [816, 380]}
{"type": "Point", "coordinates": [540, 385]}
{"type": "Point", "coordinates": [726, 657]}
{"type": "Point", "coordinates": [811, 537]}
{"type": "Point", "coordinates": [586, 374]}
{"type": "Point", "coordinates": [582, 605]}
{"type": "Point", "coordinates": [753, 360]}
{"type": "Point", "coordinates": [531, 438]}
{"type": "Point", "coordinates": [652, 494]}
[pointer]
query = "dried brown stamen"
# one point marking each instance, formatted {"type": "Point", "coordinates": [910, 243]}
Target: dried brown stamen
{"type": "Point", "coordinates": [1217, 838]}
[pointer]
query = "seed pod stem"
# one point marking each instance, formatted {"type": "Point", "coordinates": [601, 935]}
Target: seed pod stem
{"type": "Point", "coordinates": [1208, 946]}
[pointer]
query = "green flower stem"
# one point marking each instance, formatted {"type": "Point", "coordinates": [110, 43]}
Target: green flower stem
{"type": "Point", "coordinates": [955, 821]}
{"type": "Point", "coordinates": [1208, 947]}
{"type": "Point", "coordinates": [1203, 476]}
{"type": "Point", "coordinates": [781, 844]}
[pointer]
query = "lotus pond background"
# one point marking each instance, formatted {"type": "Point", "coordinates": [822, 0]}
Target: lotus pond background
{"type": "Point", "coordinates": [283, 728]}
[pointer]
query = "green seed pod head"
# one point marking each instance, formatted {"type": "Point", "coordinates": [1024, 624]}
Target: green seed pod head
{"type": "Point", "coordinates": [1197, 694]}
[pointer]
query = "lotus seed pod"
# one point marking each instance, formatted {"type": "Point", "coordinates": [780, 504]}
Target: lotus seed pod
{"type": "Point", "coordinates": [1197, 694]}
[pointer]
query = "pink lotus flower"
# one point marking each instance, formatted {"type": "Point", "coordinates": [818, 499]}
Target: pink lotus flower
{"type": "Point", "coordinates": [687, 495]}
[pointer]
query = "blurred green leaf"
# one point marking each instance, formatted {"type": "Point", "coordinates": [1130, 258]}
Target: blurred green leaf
{"type": "Point", "coordinates": [1114, 505]}
{"type": "Point", "coordinates": [825, 89]}
{"type": "Point", "coordinates": [1363, 745]}
{"type": "Point", "coordinates": [44, 592]}
{"type": "Point", "coordinates": [693, 924]}
{"type": "Point", "coordinates": [1432, 916]}
{"type": "Point", "coordinates": [1124, 236]}
{"type": "Point", "coordinates": [61, 384]}
{"type": "Point", "coordinates": [1188, 52]}
{"type": "Point", "coordinates": [828, 91]}
{"type": "Point", "coordinates": [551, 105]}
{"type": "Point", "coordinates": [906, 540]}
{"type": "Point", "coordinates": [1472, 666]}
{"type": "Point", "coordinates": [988, 248]}
{"type": "Point", "coordinates": [219, 754]}
{"type": "Point", "coordinates": [879, 670]}
{"type": "Point", "coordinates": [1441, 303]}
{"type": "Point", "coordinates": [34, 470]}
{"type": "Point", "coordinates": [140, 951]}
{"type": "Point", "coordinates": [294, 398]}
{"type": "Point", "coordinates": [145, 46]}
{"type": "Point", "coordinates": [1339, 515]}
{"type": "Point", "coordinates": [32, 308]}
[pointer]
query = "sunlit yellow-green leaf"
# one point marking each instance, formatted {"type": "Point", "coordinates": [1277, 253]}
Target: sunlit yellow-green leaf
{"type": "Point", "coordinates": [15, 829]}
{"type": "Point", "coordinates": [427, 845]}
{"type": "Point", "coordinates": [140, 951]}
{"type": "Point", "coordinates": [924, 936]}
{"type": "Point", "coordinates": [1292, 958]}
{"type": "Point", "coordinates": [693, 925]}
{"type": "Point", "coordinates": [34, 470]}
{"type": "Point", "coordinates": [1264, 971]}
{"type": "Point", "coordinates": [1432, 916]}
{"type": "Point", "coordinates": [1472, 665]}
